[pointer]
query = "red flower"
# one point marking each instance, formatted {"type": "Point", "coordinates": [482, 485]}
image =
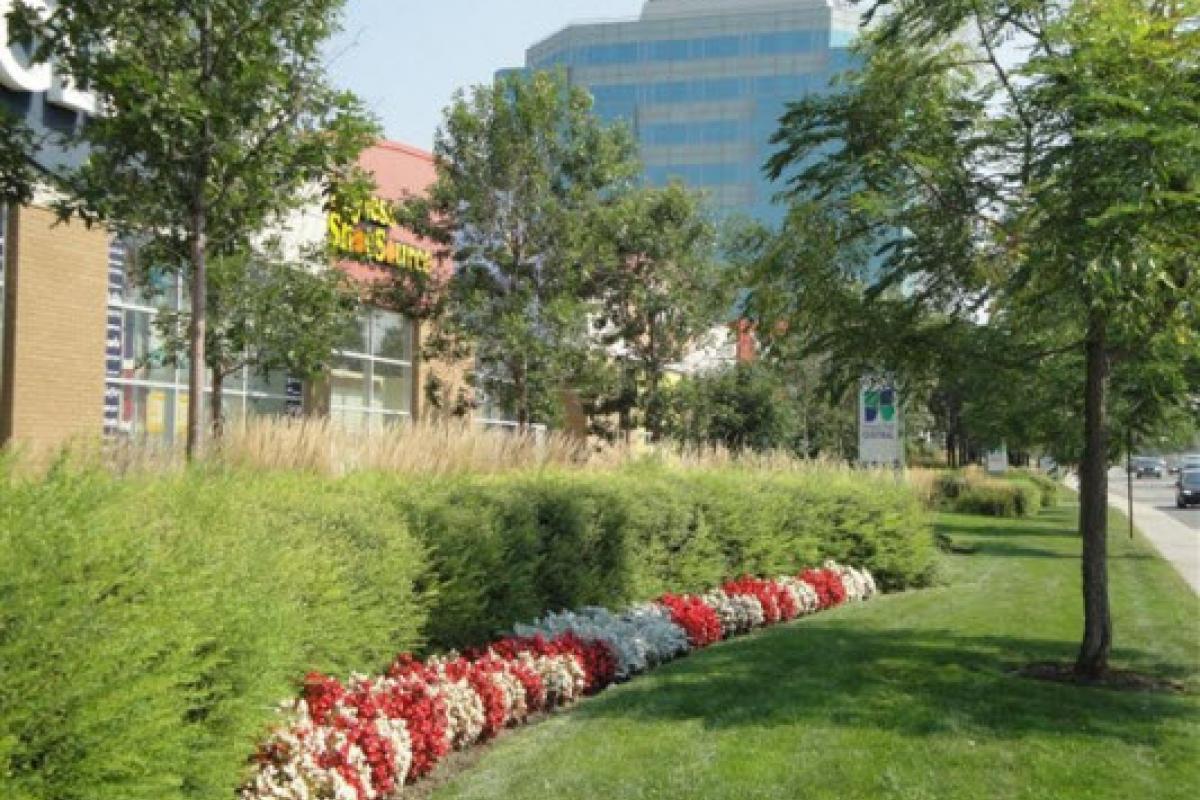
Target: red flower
{"type": "Point", "coordinates": [698, 620]}
{"type": "Point", "coordinates": [827, 584]}
{"type": "Point", "coordinates": [777, 603]}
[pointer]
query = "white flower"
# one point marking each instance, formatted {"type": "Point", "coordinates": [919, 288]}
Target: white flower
{"type": "Point", "coordinates": [860, 585]}
{"type": "Point", "coordinates": [805, 596]}
{"type": "Point", "coordinates": [641, 638]}
{"type": "Point", "coordinates": [738, 613]}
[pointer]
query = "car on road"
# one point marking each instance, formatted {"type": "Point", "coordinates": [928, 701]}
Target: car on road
{"type": "Point", "coordinates": [1187, 488]}
{"type": "Point", "coordinates": [1148, 467]}
{"type": "Point", "coordinates": [1187, 462]}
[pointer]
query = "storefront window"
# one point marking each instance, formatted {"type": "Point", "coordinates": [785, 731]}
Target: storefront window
{"type": "Point", "coordinates": [357, 335]}
{"type": "Point", "coordinates": [275, 383]}
{"type": "Point", "coordinates": [348, 383]}
{"type": "Point", "coordinates": [391, 387]}
{"type": "Point", "coordinates": [352, 421]}
{"type": "Point", "coordinates": [371, 376]}
{"type": "Point", "coordinates": [266, 406]}
{"type": "Point", "coordinates": [392, 336]}
{"type": "Point", "coordinates": [147, 412]}
{"type": "Point", "coordinates": [144, 357]}
{"type": "Point", "coordinates": [147, 399]}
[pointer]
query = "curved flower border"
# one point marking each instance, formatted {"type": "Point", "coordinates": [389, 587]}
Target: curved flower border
{"type": "Point", "coordinates": [366, 739]}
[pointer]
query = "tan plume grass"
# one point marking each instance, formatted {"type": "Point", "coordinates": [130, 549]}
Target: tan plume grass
{"type": "Point", "coordinates": [324, 447]}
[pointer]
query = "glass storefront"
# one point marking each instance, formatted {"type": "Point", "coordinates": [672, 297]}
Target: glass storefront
{"type": "Point", "coordinates": [145, 396]}
{"type": "Point", "coordinates": [371, 374]}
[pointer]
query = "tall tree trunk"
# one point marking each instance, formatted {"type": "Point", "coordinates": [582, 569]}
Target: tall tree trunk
{"type": "Point", "coordinates": [654, 406]}
{"type": "Point", "coordinates": [520, 385]}
{"type": "Point", "coordinates": [653, 411]}
{"type": "Point", "coordinates": [218, 405]}
{"type": "Point", "coordinates": [1093, 508]}
{"type": "Point", "coordinates": [199, 255]}
{"type": "Point", "coordinates": [195, 423]}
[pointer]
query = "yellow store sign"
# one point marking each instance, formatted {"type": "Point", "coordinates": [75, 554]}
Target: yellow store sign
{"type": "Point", "coordinates": [365, 234]}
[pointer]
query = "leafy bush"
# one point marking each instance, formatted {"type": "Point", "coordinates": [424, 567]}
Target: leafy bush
{"type": "Point", "coordinates": [148, 627]}
{"type": "Point", "coordinates": [1029, 498]}
{"type": "Point", "coordinates": [1045, 484]}
{"type": "Point", "coordinates": [508, 548]}
{"type": "Point", "coordinates": [994, 499]}
{"type": "Point", "coordinates": [991, 497]}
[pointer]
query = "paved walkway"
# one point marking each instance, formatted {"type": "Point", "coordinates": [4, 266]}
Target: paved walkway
{"type": "Point", "coordinates": [1176, 542]}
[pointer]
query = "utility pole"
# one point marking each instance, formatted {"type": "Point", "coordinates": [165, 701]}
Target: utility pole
{"type": "Point", "coordinates": [1129, 473]}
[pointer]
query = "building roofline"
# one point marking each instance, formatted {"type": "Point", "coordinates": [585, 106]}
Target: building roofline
{"type": "Point", "coordinates": [700, 13]}
{"type": "Point", "coordinates": [412, 150]}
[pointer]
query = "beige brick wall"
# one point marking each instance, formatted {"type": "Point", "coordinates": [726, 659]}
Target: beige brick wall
{"type": "Point", "coordinates": [450, 377]}
{"type": "Point", "coordinates": [56, 302]}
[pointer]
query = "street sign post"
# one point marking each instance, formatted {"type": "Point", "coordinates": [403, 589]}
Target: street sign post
{"type": "Point", "coordinates": [997, 460]}
{"type": "Point", "coordinates": [880, 443]}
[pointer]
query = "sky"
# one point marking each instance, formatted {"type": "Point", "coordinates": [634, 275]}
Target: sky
{"type": "Point", "coordinates": [406, 58]}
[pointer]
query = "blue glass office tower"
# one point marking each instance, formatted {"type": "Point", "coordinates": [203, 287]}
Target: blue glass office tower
{"type": "Point", "coordinates": [703, 83]}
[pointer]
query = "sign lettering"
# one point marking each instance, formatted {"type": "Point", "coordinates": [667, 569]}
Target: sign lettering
{"type": "Point", "coordinates": [364, 234]}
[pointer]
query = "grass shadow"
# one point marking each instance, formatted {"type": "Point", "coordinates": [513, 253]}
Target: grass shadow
{"type": "Point", "coordinates": [917, 683]}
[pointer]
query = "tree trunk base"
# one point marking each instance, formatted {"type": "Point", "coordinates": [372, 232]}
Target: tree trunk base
{"type": "Point", "coordinates": [1114, 679]}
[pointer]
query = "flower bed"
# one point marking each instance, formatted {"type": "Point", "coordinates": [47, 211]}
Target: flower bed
{"type": "Point", "coordinates": [366, 739]}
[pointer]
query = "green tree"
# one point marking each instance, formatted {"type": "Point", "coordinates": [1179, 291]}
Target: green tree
{"type": "Point", "coordinates": [740, 407]}
{"type": "Point", "coordinates": [657, 286]}
{"type": "Point", "coordinates": [522, 165]}
{"type": "Point", "coordinates": [266, 313]}
{"type": "Point", "coordinates": [1044, 217]}
{"type": "Point", "coordinates": [17, 172]}
{"type": "Point", "coordinates": [219, 118]}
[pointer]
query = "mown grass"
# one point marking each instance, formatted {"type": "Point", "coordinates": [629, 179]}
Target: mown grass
{"type": "Point", "coordinates": [907, 697]}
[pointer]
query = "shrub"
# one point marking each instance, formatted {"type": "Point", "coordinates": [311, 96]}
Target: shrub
{"type": "Point", "coordinates": [992, 499]}
{"type": "Point", "coordinates": [1029, 498]}
{"type": "Point", "coordinates": [998, 498]}
{"type": "Point", "coordinates": [148, 627]}
{"type": "Point", "coordinates": [1045, 484]}
{"type": "Point", "coordinates": [1020, 495]}
{"type": "Point", "coordinates": [511, 547]}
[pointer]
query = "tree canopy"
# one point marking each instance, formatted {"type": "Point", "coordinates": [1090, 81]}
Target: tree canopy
{"type": "Point", "coordinates": [218, 118]}
{"type": "Point", "coordinates": [1020, 233]}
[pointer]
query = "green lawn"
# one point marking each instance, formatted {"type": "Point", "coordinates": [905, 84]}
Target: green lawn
{"type": "Point", "coordinates": [904, 697]}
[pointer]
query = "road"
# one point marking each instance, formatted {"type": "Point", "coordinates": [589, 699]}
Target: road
{"type": "Point", "coordinates": [1156, 493]}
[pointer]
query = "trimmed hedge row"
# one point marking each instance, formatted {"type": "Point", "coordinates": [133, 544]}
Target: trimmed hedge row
{"type": "Point", "coordinates": [148, 625]}
{"type": "Point", "coordinates": [513, 547]}
{"type": "Point", "coordinates": [1020, 495]}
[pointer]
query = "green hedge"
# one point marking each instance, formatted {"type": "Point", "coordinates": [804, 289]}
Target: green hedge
{"type": "Point", "coordinates": [148, 626]}
{"type": "Point", "coordinates": [1045, 484]}
{"type": "Point", "coordinates": [506, 549]}
{"type": "Point", "coordinates": [1021, 495]}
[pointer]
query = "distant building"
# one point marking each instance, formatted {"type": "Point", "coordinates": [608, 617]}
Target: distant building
{"type": "Point", "coordinates": [703, 84]}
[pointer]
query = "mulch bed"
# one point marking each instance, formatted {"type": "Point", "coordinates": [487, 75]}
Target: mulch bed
{"type": "Point", "coordinates": [1121, 680]}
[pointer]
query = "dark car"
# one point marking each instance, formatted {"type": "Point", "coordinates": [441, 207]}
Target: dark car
{"type": "Point", "coordinates": [1187, 489]}
{"type": "Point", "coordinates": [1146, 467]}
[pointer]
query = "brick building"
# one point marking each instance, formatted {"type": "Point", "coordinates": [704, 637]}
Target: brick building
{"type": "Point", "coordinates": [80, 355]}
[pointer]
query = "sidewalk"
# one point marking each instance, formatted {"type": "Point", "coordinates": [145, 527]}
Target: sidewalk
{"type": "Point", "coordinates": [1175, 542]}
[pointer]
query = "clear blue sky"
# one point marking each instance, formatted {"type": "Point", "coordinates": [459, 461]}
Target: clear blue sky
{"type": "Point", "coordinates": [406, 58]}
